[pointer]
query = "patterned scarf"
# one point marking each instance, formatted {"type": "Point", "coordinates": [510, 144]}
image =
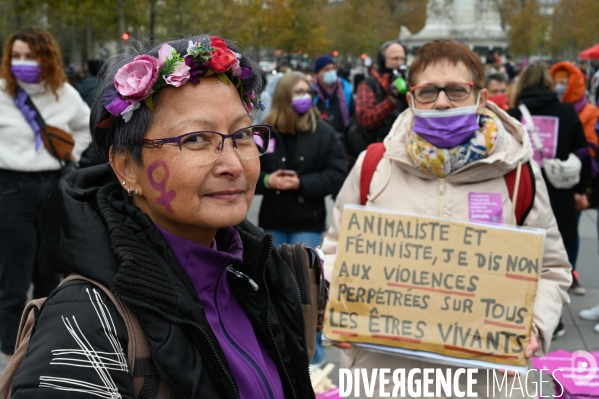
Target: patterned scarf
{"type": "Point", "coordinates": [336, 90]}
{"type": "Point", "coordinates": [442, 162]}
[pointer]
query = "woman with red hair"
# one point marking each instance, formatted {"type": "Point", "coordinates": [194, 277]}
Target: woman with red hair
{"type": "Point", "coordinates": [31, 72]}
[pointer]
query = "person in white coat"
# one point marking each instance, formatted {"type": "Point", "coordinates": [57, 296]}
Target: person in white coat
{"type": "Point", "coordinates": [31, 68]}
{"type": "Point", "coordinates": [429, 169]}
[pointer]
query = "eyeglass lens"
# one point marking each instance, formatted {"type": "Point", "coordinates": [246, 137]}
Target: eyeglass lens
{"type": "Point", "coordinates": [203, 148]}
{"type": "Point", "coordinates": [455, 92]}
{"type": "Point", "coordinates": [301, 92]}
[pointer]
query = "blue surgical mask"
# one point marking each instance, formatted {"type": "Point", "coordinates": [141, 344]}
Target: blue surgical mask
{"type": "Point", "coordinates": [329, 77]}
{"type": "Point", "coordinates": [560, 88]}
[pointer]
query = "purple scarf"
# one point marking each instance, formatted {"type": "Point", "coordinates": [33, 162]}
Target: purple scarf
{"type": "Point", "coordinates": [336, 89]}
{"type": "Point", "coordinates": [29, 115]}
{"type": "Point", "coordinates": [579, 105]}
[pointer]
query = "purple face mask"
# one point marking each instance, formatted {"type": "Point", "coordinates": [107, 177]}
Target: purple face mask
{"type": "Point", "coordinates": [26, 71]}
{"type": "Point", "coordinates": [448, 128]}
{"type": "Point", "coordinates": [302, 104]}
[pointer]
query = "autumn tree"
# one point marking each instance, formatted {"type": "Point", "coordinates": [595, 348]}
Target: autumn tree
{"type": "Point", "coordinates": [573, 27]}
{"type": "Point", "coordinates": [527, 27]}
{"type": "Point", "coordinates": [357, 26]}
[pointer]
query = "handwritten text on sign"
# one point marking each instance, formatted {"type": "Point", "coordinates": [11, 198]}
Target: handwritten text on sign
{"type": "Point", "coordinates": [454, 288]}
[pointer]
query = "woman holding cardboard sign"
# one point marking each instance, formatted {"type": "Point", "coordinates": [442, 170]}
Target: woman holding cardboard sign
{"type": "Point", "coordinates": [451, 144]}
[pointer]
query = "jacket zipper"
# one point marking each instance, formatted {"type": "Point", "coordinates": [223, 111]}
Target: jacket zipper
{"type": "Point", "coordinates": [440, 198]}
{"type": "Point", "coordinates": [272, 335]}
{"type": "Point", "coordinates": [305, 283]}
{"type": "Point", "coordinates": [199, 327]}
{"type": "Point", "coordinates": [237, 348]}
{"type": "Point", "coordinates": [178, 321]}
{"type": "Point", "coordinates": [239, 274]}
{"type": "Point", "coordinates": [301, 280]}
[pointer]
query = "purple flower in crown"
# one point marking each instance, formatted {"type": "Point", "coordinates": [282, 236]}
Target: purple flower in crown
{"type": "Point", "coordinates": [245, 73]}
{"type": "Point", "coordinates": [135, 80]}
{"type": "Point", "coordinates": [196, 70]}
{"type": "Point", "coordinates": [113, 102]}
{"type": "Point", "coordinates": [205, 41]}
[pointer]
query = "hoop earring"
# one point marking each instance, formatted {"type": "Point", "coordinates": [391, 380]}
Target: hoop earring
{"type": "Point", "coordinates": [137, 194]}
{"type": "Point", "coordinates": [130, 192]}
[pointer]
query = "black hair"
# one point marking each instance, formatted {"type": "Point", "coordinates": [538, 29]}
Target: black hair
{"type": "Point", "coordinates": [499, 77]}
{"type": "Point", "coordinates": [126, 136]}
{"type": "Point", "coordinates": [93, 66]}
{"type": "Point", "coordinates": [380, 57]}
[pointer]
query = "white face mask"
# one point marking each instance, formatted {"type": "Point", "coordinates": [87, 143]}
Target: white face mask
{"type": "Point", "coordinates": [32, 63]}
{"type": "Point", "coordinates": [437, 113]}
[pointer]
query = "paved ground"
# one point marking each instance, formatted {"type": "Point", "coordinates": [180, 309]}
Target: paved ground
{"type": "Point", "coordinates": [579, 333]}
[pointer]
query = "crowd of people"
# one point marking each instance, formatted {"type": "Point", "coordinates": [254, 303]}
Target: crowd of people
{"type": "Point", "coordinates": [147, 204]}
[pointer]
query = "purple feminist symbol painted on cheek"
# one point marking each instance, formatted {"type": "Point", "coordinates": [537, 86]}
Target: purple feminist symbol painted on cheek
{"type": "Point", "coordinates": [165, 198]}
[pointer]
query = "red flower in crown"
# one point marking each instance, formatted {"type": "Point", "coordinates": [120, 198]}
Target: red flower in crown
{"type": "Point", "coordinates": [222, 58]}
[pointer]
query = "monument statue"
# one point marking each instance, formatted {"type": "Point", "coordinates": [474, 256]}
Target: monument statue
{"type": "Point", "coordinates": [476, 23]}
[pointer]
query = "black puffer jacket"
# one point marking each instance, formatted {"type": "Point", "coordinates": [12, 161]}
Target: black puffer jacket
{"type": "Point", "coordinates": [90, 227]}
{"type": "Point", "coordinates": [319, 160]}
{"type": "Point", "coordinates": [570, 137]}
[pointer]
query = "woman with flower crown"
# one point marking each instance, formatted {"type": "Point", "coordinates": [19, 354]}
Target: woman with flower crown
{"type": "Point", "coordinates": [159, 244]}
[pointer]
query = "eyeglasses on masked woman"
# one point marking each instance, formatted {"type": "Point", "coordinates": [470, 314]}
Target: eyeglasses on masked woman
{"type": "Point", "coordinates": [426, 94]}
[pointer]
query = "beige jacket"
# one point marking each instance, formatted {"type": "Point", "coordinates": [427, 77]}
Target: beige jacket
{"type": "Point", "coordinates": [398, 185]}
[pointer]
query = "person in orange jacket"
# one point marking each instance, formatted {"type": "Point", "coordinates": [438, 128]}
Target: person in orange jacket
{"type": "Point", "coordinates": [570, 87]}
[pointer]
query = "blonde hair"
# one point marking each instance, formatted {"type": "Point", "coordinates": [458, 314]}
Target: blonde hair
{"type": "Point", "coordinates": [282, 117]}
{"type": "Point", "coordinates": [45, 49]}
{"type": "Point", "coordinates": [535, 77]}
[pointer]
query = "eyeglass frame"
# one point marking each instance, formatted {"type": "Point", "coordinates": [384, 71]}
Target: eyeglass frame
{"type": "Point", "coordinates": [158, 143]}
{"type": "Point", "coordinates": [443, 89]}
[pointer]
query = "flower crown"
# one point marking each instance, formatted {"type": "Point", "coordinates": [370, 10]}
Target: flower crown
{"type": "Point", "coordinates": [138, 80]}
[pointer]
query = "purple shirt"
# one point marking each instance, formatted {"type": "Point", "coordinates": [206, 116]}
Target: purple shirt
{"type": "Point", "coordinates": [255, 373]}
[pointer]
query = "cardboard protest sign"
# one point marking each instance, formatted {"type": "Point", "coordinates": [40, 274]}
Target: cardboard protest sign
{"type": "Point", "coordinates": [458, 289]}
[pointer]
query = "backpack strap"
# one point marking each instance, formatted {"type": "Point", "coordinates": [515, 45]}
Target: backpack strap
{"type": "Point", "coordinates": [146, 381]}
{"type": "Point", "coordinates": [376, 87]}
{"type": "Point", "coordinates": [26, 329]}
{"type": "Point", "coordinates": [522, 190]}
{"type": "Point", "coordinates": [374, 154]}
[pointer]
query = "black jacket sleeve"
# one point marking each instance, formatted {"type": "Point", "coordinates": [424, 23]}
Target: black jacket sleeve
{"type": "Point", "coordinates": [78, 349]}
{"type": "Point", "coordinates": [578, 141]}
{"type": "Point", "coordinates": [330, 180]}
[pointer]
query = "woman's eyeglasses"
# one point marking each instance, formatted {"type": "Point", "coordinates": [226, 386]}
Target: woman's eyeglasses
{"type": "Point", "coordinates": [302, 92]}
{"type": "Point", "coordinates": [204, 147]}
{"type": "Point", "coordinates": [454, 91]}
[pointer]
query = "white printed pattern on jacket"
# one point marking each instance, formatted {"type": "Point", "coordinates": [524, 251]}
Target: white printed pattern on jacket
{"type": "Point", "coordinates": [88, 357]}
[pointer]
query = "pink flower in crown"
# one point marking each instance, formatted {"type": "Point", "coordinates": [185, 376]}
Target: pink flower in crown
{"type": "Point", "coordinates": [179, 77]}
{"type": "Point", "coordinates": [180, 74]}
{"type": "Point", "coordinates": [166, 51]}
{"type": "Point", "coordinates": [236, 68]}
{"type": "Point", "coordinates": [134, 81]}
